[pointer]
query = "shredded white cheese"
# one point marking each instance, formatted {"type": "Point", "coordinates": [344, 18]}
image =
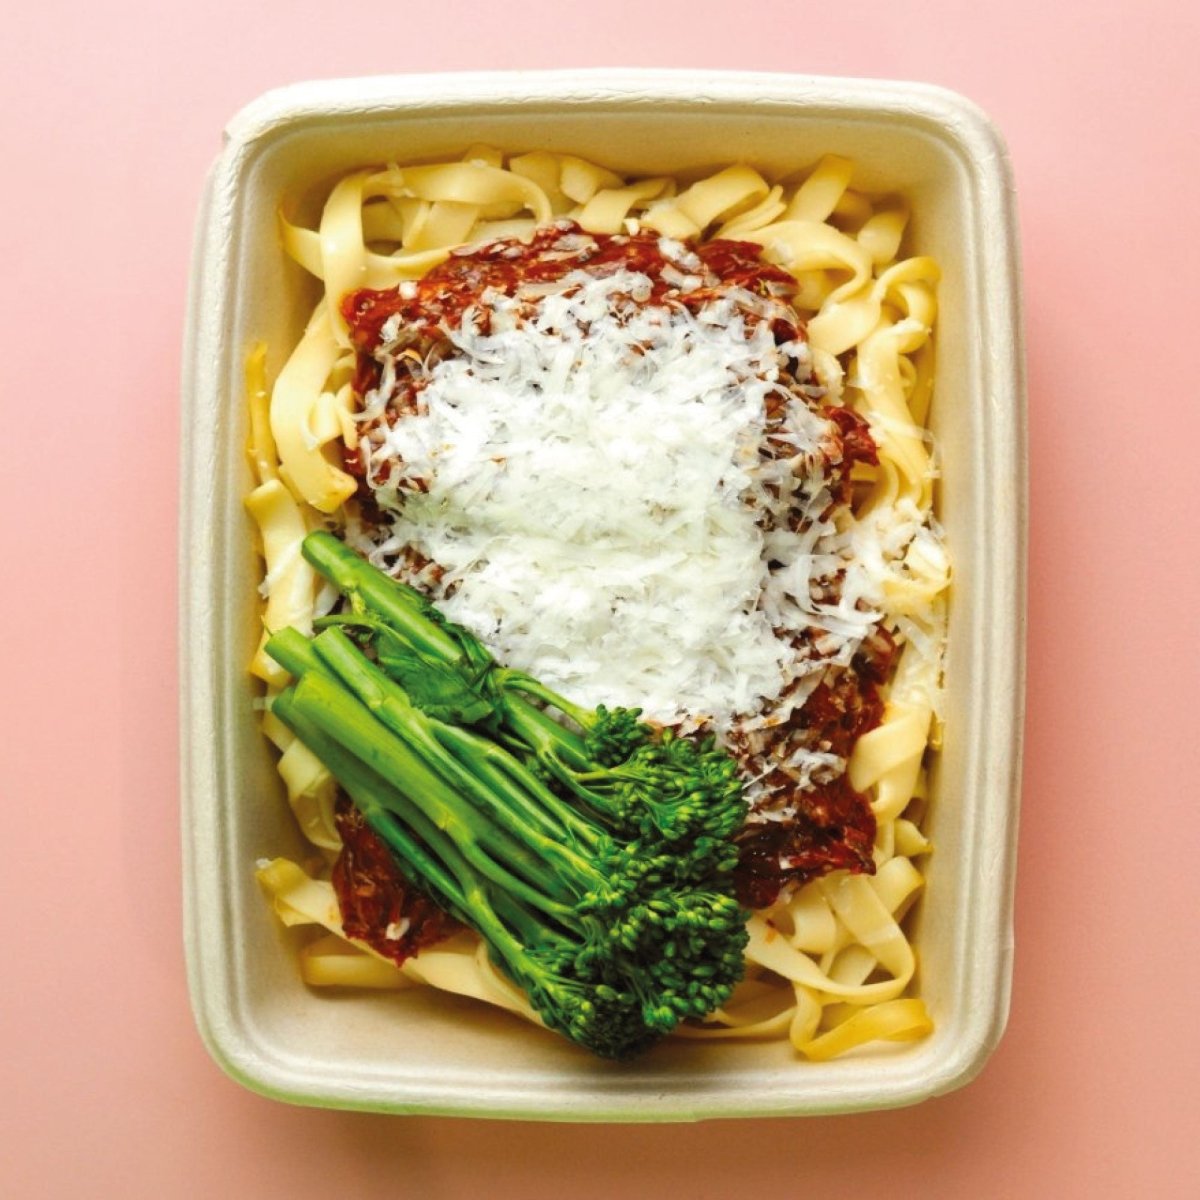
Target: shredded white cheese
{"type": "Point", "coordinates": [587, 470]}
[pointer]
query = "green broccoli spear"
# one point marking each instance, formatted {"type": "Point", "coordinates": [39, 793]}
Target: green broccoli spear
{"type": "Point", "coordinates": [611, 947]}
{"type": "Point", "coordinates": [614, 913]}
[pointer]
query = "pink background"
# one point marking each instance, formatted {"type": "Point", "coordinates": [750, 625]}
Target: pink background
{"type": "Point", "coordinates": [110, 115]}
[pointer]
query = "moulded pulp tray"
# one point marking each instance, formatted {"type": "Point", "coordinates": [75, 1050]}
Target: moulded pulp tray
{"type": "Point", "coordinates": [417, 1051]}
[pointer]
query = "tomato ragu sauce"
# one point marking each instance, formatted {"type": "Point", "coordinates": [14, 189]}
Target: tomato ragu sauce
{"type": "Point", "coordinates": [798, 828]}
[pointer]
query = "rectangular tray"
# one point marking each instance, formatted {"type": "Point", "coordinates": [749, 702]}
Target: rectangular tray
{"type": "Point", "coordinates": [420, 1051]}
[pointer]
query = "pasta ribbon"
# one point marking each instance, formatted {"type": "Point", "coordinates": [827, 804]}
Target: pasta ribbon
{"type": "Point", "coordinates": [877, 367]}
{"type": "Point", "coordinates": [763, 213]}
{"type": "Point", "coordinates": [607, 210]}
{"type": "Point", "coordinates": [756, 1010]}
{"type": "Point", "coordinates": [343, 248]}
{"type": "Point", "coordinates": [768, 948]}
{"type": "Point", "coordinates": [814, 927]}
{"type": "Point", "coordinates": [807, 246]}
{"type": "Point", "coordinates": [297, 898]}
{"type": "Point", "coordinates": [720, 196]}
{"type": "Point", "coordinates": [881, 233]}
{"type": "Point", "coordinates": [580, 180]}
{"type": "Point", "coordinates": [818, 195]}
{"type": "Point", "coordinates": [312, 794]}
{"type": "Point", "coordinates": [497, 191]}
{"type": "Point", "coordinates": [716, 198]}
{"type": "Point", "coordinates": [896, 1021]}
{"type": "Point", "coordinates": [290, 582]}
{"type": "Point", "coordinates": [867, 919]}
{"type": "Point", "coordinates": [888, 757]}
{"type": "Point", "coordinates": [262, 445]}
{"type": "Point", "coordinates": [544, 171]}
{"type": "Point", "coordinates": [442, 223]}
{"type": "Point", "coordinates": [295, 416]}
{"type": "Point", "coordinates": [332, 962]}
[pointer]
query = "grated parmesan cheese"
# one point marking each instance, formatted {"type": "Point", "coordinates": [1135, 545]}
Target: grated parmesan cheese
{"type": "Point", "coordinates": [588, 473]}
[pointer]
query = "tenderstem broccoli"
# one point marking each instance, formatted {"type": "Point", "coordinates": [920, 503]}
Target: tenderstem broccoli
{"type": "Point", "coordinates": [591, 852]}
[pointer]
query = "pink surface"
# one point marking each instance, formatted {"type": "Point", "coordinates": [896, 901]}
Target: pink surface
{"type": "Point", "coordinates": [110, 115]}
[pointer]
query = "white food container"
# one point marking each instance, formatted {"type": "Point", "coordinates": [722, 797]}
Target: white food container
{"type": "Point", "coordinates": [427, 1052]}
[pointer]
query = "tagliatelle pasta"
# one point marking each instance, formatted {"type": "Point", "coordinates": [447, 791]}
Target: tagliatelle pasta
{"type": "Point", "coordinates": [829, 964]}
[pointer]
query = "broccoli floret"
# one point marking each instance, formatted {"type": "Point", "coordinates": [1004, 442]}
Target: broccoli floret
{"type": "Point", "coordinates": [647, 782]}
{"type": "Point", "coordinates": [595, 861]}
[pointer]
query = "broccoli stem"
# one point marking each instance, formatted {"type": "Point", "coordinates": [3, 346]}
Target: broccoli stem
{"type": "Point", "coordinates": [552, 744]}
{"type": "Point", "coordinates": [501, 768]}
{"type": "Point", "coordinates": [402, 607]}
{"type": "Point", "coordinates": [380, 803]}
{"type": "Point", "coordinates": [558, 750]}
{"type": "Point", "coordinates": [295, 654]}
{"type": "Point", "coordinates": [430, 858]}
{"type": "Point", "coordinates": [518, 681]}
{"type": "Point", "coordinates": [490, 851]}
{"type": "Point", "coordinates": [493, 790]}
